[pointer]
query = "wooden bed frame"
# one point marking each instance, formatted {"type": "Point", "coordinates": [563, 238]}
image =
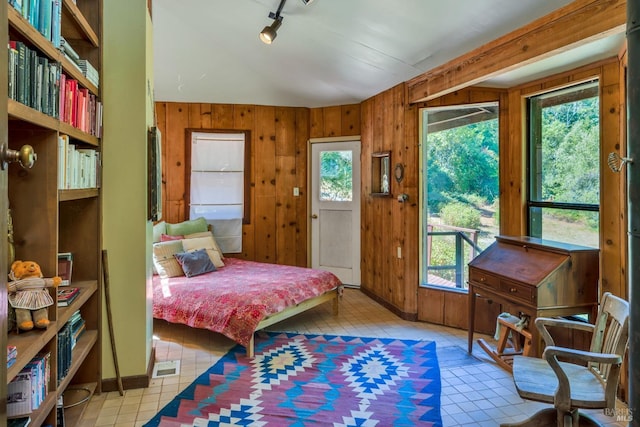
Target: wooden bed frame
{"type": "Point", "coordinates": [288, 312]}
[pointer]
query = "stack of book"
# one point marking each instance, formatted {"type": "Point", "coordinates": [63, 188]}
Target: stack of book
{"type": "Point", "coordinates": [12, 354]}
{"type": "Point", "coordinates": [77, 325]}
{"type": "Point", "coordinates": [66, 296]}
{"type": "Point", "coordinates": [89, 72]}
{"type": "Point", "coordinates": [29, 388]}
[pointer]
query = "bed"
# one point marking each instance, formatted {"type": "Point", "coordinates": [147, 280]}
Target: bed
{"type": "Point", "coordinates": [242, 297]}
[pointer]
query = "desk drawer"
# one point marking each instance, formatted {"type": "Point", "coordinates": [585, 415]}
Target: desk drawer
{"type": "Point", "coordinates": [518, 290]}
{"type": "Point", "coordinates": [482, 277]}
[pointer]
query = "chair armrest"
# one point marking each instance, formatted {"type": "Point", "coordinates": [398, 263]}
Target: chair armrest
{"type": "Point", "coordinates": [580, 355]}
{"type": "Point", "coordinates": [543, 322]}
{"type": "Point", "coordinates": [562, 397]}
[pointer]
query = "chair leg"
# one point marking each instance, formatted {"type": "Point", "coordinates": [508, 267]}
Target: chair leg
{"type": "Point", "coordinates": [550, 417]}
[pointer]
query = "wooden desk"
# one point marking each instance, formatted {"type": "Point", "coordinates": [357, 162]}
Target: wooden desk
{"type": "Point", "coordinates": [535, 277]}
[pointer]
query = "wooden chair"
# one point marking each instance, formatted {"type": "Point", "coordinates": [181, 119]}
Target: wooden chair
{"type": "Point", "coordinates": [589, 383]}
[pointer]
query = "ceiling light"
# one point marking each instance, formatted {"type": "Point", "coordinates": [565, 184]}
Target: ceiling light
{"type": "Point", "coordinates": [306, 1]}
{"type": "Point", "coordinates": [269, 33]}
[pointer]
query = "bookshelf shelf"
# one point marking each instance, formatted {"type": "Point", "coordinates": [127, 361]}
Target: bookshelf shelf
{"type": "Point", "coordinates": [29, 344]}
{"type": "Point", "coordinates": [40, 415]}
{"type": "Point", "coordinates": [46, 220]}
{"type": "Point", "coordinates": [21, 112]}
{"type": "Point", "coordinates": [84, 193]}
{"type": "Point", "coordinates": [80, 353]}
{"type": "Point", "coordinates": [77, 27]}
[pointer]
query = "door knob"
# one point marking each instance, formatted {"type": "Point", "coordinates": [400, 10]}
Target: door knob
{"type": "Point", "coordinates": [314, 216]}
{"type": "Point", "coordinates": [25, 156]}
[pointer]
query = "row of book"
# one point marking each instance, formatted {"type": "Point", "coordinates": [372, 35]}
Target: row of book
{"type": "Point", "coordinates": [67, 338]}
{"type": "Point", "coordinates": [27, 391]}
{"type": "Point", "coordinates": [39, 83]}
{"type": "Point", "coordinates": [33, 79]}
{"type": "Point", "coordinates": [77, 167]}
{"type": "Point", "coordinates": [43, 15]}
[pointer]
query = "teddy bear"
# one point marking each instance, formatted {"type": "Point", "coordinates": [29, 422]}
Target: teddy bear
{"type": "Point", "coordinates": [28, 294]}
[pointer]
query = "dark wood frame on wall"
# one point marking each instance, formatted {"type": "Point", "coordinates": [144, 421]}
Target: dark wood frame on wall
{"type": "Point", "coordinates": [154, 174]}
{"type": "Point", "coordinates": [246, 214]}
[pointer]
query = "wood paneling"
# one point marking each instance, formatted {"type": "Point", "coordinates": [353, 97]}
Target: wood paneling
{"type": "Point", "coordinates": [277, 228]}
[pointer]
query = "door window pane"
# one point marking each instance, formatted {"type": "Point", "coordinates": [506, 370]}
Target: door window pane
{"type": "Point", "coordinates": [336, 176]}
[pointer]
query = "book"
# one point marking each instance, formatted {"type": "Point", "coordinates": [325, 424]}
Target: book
{"type": "Point", "coordinates": [65, 267]}
{"type": "Point", "coordinates": [67, 295]}
{"type": "Point", "coordinates": [19, 422]}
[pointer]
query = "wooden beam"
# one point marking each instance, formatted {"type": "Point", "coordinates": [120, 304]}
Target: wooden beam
{"type": "Point", "coordinates": [574, 25]}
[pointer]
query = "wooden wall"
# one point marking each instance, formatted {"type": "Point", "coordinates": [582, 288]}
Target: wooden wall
{"type": "Point", "coordinates": [277, 230]}
{"type": "Point", "coordinates": [387, 122]}
{"type": "Point", "coordinates": [390, 123]}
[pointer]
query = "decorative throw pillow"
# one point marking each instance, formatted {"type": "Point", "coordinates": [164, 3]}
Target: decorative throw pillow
{"type": "Point", "coordinates": [206, 234]}
{"type": "Point", "coordinates": [158, 230]}
{"type": "Point", "coordinates": [195, 263]}
{"type": "Point", "coordinates": [187, 227]}
{"type": "Point", "coordinates": [204, 243]}
{"type": "Point", "coordinates": [168, 238]}
{"type": "Point", "coordinates": [163, 260]}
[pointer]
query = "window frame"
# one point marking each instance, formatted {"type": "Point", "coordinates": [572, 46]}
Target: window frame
{"type": "Point", "coordinates": [531, 168]}
{"type": "Point", "coordinates": [246, 213]}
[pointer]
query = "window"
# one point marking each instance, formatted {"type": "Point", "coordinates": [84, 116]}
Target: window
{"type": "Point", "coordinates": [564, 165]}
{"type": "Point", "coordinates": [460, 190]}
{"type": "Point", "coordinates": [219, 184]}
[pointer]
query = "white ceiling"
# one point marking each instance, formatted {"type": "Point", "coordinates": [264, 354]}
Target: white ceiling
{"type": "Point", "coordinates": [332, 52]}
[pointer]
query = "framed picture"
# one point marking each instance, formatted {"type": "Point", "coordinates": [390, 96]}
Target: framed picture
{"type": "Point", "coordinates": [154, 164]}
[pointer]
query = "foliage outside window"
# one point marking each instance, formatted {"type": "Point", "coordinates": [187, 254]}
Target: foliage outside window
{"type": "Point", "coordinates": [336, 176]}
{"type": "Point", "coordinates": [460, 190]}
{"type": "Point", "coordinates": [564, 165]}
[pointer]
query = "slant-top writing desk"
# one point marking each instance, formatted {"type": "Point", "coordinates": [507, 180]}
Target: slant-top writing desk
{"type": "Point", "coordinates": [535, 277]}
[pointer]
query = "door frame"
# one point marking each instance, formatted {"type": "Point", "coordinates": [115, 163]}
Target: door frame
{"type": "Point", "coordinates": [310, 171]}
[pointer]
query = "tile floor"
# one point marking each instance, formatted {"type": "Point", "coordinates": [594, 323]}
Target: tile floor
{"type": "Point", "coordinates": [475, 391]}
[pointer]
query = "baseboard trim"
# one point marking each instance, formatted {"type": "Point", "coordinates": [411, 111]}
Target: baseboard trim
{"type": "Point", "coordinates": [412, 317]}
{"type": "Point", "coordinates": [129, 383]}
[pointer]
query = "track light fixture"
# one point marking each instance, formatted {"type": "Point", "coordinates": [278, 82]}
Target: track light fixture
{"type": "Point", "coordinates": [269, 33]}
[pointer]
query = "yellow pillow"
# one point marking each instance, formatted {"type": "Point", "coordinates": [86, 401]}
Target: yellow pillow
{"type": "Point", "coordinates": [207, 243]}
{"type": "Point", "coordinates": [165, 263]}
{"type": "Point", "coordinates": [206, 234]}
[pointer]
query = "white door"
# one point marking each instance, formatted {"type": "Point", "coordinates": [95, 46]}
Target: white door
{"type": "Point", "coordinates": [335, 208]}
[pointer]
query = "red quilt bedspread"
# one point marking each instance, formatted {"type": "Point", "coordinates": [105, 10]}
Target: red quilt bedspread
{"type": "Point", "coordinates": [236, 297]}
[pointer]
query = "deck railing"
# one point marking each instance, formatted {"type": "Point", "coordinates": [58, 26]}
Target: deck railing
{"type": "Point", "coordinates": [463, 236]}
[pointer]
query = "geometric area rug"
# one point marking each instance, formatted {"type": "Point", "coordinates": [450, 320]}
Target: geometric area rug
{"type": "Point", "coordinates": [318, 380]}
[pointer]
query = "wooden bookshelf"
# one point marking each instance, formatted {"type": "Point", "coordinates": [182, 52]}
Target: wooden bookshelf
{"type": "Point", "coordinates": [47, 220]}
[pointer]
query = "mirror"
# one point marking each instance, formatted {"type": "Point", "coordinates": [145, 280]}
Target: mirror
{"type": "Point", "coordinates": [381, 173]}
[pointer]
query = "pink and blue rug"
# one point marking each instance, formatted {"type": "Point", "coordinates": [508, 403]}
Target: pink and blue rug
{"type": "Point", "coordinates": [317, 380]}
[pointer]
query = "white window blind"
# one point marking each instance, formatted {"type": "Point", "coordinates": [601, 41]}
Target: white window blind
{"type": "Point", "coordinates": [217, 185]}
